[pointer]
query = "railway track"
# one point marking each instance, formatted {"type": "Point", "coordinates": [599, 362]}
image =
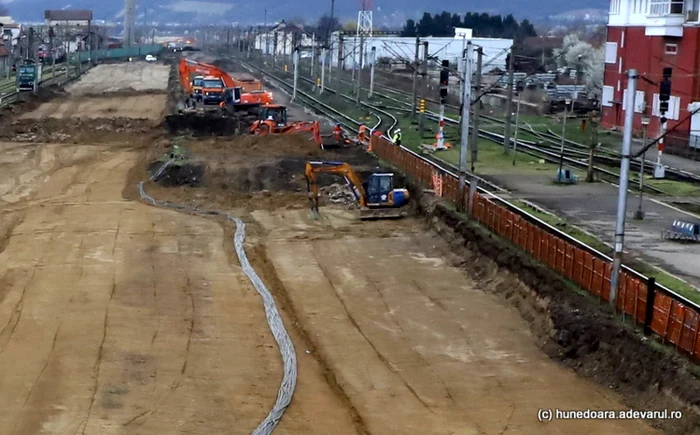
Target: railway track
{"type": "Point", "coordinates": [572, 149]}
{"type": "Point", "coordinates": [450, 170]}
{"type": "Point", "coordinates": [548, 148]}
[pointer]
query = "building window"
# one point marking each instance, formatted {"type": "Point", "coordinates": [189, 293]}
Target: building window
{"type": "Point", "coordinates": [639, 103]}
{"type": "Point", "coordinates": [610, 52]}
{"type": "Point", "coordinates": [666, 7]}
{"type": "Point", "coordinates": [671, 48]}
{"type": "Point", "coordinates": [674, 107]}
{"type": "Point", "coordinates": [614, 7]}
{"type": "Point", "coordinates": [608, 95]}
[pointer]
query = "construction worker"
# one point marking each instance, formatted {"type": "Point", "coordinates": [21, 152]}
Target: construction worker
{"type": "Point", "coordinates": [362, 132]}
{"type": "Point", "coordinates": [338, 133]}
{"type": "Point", "coordinates": [397, 137]}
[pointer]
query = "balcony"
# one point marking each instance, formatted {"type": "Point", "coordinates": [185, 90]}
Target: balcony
{"type": "Point", "coordinates": [664, 8]}
{"type": "Point", "coordinates": [665, 18]}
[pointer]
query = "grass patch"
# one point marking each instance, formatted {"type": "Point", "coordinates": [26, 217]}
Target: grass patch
{"type": "Point", "coordinates": [672, 187]}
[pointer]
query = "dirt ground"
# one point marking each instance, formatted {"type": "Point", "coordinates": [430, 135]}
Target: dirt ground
{"type": "Point", "coordinates": [120, 106]}
{"type": "Point", "coordinates": [122, 77]}
{"type": "Point", "coordinates": [121, 318]}
{"type": "Point", "coordinates": [130, 90]}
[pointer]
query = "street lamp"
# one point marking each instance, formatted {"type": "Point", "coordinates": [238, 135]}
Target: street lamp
{"type": "Point", "coordinates": [639, 213]}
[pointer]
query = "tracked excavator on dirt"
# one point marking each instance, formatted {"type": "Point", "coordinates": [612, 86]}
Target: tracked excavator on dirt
{"type": "Point", "coordinates": [272, 119]}
{"type": "Point", "coordinates": [377, 197]}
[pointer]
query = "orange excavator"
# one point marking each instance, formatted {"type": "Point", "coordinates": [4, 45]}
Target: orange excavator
{"type": "Point", "coordinates": [217, 87]}
{"type": "Point", "coordinates": [273, 120]}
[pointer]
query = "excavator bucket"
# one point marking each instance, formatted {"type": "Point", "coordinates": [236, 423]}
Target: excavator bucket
{"type": "Point", "coordinates": [367, 214]}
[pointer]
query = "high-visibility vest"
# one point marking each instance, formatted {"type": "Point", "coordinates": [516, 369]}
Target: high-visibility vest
{"type": "Point", "coordinates": [397, 137]}
{"type": "Point", "coordinates": [362, 132]}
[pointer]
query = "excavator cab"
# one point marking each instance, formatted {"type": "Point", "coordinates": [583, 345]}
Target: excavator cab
{"type": "Point", "coordinates": [380, 191]}
{"type": "Point", "coordinates": [277, 113]}
{"type": "Point", "coordinates": [197, 84]}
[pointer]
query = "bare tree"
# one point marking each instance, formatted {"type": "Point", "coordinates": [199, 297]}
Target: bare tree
{"type": "Point", "coordinates": [581, 55]}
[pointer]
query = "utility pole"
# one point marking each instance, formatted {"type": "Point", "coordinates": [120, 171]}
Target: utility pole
{"type": "Point", "coordinates": [296, 73]}
{"type": "Point", "coordinates": [624, 181]}
{"type": "Point", "coordinates": [416, 62]}
{"type": "Point", "coordinates": [593, 117]}
{"type": "Point", "coordinates": [359, 71]}
{"type": "Point", "coordinates": [464, 142]}
{"type": "Point", "coordinates": [372, 62]}
{"type": "Point", "coordinates": [509, 104]}
{"type": "Point", "coordinates": [517, 127]}
{"type": "Point", "coordinates": [323, 70]}
{"type": "Point", "coordinates": [313, 56]}
{"type": "Point", "coordinates": [563, 143]}
{"type": "Point", "coordinates": [274, 47]}
{"type": "Point", "coordinates": [477, 106]}
{"type": "Point", "coordinates": [639, 214]}
{"type": "Point", "coordinates": [444, 82]}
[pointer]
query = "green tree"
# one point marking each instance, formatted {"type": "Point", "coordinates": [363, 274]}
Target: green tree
{"type": "Point", "coordinates": [409, 29]}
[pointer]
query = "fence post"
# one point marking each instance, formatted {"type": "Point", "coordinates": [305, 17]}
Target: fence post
{"type": "Point", "coordinates": [472, 196]}
{"type": "Point", "coordinates": [651, 295]}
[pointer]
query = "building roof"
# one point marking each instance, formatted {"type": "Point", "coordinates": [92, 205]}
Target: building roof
{"type": "Point", "coordinates": [68, 15]}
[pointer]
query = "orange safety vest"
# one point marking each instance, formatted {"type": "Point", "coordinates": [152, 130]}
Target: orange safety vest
{"type": "Point", "coordinates": [362, 132]}
{"type": "Point", "coordinates": [337, 132]}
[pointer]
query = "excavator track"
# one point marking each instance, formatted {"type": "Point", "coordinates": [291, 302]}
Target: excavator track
{"type": "Point", "coordinates": [381, 213]}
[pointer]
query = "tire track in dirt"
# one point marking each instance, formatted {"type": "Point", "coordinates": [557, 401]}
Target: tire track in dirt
{"type": "Point", "coordinates": [16, 314]}
{"type": "Point", "coordinates": [376, 350]}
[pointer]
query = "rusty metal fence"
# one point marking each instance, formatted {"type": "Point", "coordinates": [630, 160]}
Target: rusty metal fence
{"type": "Point", "coordinates": [670, 316]}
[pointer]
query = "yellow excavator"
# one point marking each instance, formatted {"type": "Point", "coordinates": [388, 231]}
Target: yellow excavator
{"type": "Point", "coordinates": [377, 197]}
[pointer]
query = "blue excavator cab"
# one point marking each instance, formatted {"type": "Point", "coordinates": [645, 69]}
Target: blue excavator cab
{"type": "Point", "coordinates": [381, 193]}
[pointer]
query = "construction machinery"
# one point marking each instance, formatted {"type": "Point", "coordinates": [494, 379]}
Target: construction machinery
{"type": "Point", "coordinates": [215, 84]}
{"type": "Point", "coordinates": [196, 87]}
{"type": "Point", "coordinates": [272, 119]}
{"type": "Point", "coordinates": [377, 197]}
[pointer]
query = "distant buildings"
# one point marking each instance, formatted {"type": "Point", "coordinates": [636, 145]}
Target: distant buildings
{"type": "Point", "coordinates": [650, 35]}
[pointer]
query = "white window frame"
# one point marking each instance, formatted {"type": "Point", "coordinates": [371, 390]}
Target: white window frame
{"type": "Point", "coordinates": [608, 95]}
{"type": "Point", "coordinates": [674, 107]}
{"type": "Point", "coordinates": [615, 7]}
{"type": "Point", "coordinates": [611, 52]}
{"type": "Point", "coordinates": [639, 102]}
{"type": "Point", "coordinates": [673, 47]}
{"type": "Point", "coordinates": [661, 8]}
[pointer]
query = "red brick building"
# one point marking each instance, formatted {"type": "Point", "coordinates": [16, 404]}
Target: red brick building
{"type": "Point", "coordinates": [649, 35]}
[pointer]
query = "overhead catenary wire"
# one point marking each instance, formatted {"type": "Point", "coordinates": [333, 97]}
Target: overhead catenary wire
{"type": "Point", "coordinates": [274, 320]}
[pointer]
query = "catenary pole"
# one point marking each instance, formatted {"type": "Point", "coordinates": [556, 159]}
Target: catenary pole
{"type": "Point", "coordinates": [464, 143]}
{"type": "Point", "coordinates": [624, 182]}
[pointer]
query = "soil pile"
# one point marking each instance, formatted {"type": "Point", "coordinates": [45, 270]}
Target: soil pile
{"type": "Point", "coordinates": [74, 129]}
{"type": "Point", "coordinates": [338, 193]}
{"type": "Point", "coordinates": [251, 145]}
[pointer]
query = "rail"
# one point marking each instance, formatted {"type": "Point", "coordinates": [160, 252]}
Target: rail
{"type": "Point", "coordinates": [670, 315]}
{"type": "Point", "coordinates": [66, 76]}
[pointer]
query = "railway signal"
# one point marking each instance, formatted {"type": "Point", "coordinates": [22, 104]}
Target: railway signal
{"type": "Point", "coordinates": [664, 98]}
{"type": "Point", "coordinates": [444, 81]}
{"type": "Point", "coordinates": [421, 117]}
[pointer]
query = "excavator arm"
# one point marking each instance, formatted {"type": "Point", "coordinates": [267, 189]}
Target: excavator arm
{"type": "Point", "coordinates": [198, 68]}
{"type": "Point", "coordinates": [377, 198]}
{"type": "Point", "coordinates": [338, 168]}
